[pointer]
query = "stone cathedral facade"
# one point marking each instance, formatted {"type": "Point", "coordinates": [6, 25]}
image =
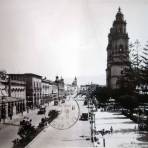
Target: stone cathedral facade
{"type": "Point", "coordinates": [117, 51]}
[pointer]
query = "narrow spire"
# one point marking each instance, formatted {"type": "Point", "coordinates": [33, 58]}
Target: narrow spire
{"type": "Point", "coordinates": [119, 9]}
{"type": "Point", "coordinates": [75, 78]}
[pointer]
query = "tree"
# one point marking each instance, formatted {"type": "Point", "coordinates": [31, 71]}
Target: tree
{"type": "Point", "coordinates": [102, 94]}
{"type": "Point", "coordinates": [26, 130]}
{"type": "Point", "coordinates": [145, 69]}
{"type": "Point", "coordinates": [131, 75]}
{"type": "Point", "coordinates": [128, 102]}
{"type": "Point", "coordinates": [136, 62]}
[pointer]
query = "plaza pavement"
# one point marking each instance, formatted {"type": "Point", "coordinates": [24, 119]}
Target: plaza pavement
{"type": "Point", "coordinates": [125, 132]}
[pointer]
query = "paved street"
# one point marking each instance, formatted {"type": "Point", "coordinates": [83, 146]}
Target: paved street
{"type": "Point", "coordinates": [8, 132]}
{"type": "Point", "coordinates": [124, 133]}
{"type": "Point", "coordinates": [76, 136]}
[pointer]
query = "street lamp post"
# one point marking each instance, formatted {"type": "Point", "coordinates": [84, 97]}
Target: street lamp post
{"type": "Point", "coordinates": [58, 90]}
{"type": "Point", "coordinates": [57, 83]}
{"type": "Point", "coordinates": [92, 122]}
{"type": "Point", "coordinates": [28, 103]}
{"type": "Point", "coordinates": [3, 111]}
{"type": "Point", "coordinates": [91, 115]}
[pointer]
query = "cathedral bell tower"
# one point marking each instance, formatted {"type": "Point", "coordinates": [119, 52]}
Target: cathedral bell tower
{"type": "Point", "coordinates": [117, 51]}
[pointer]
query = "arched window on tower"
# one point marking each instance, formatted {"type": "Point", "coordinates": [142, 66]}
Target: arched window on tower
{"type": "Point", "coordinates": [121, 48]}
{"type": "Point", "coordinates": [120, 29]}
{"type": "Point", "coordinates": [116, 48]}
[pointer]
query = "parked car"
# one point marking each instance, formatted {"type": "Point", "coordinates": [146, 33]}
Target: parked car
{"type": "Point", "coordinates": [56, 102]}
{"type": "Point", "coordinates": [84, 116]}
{"type": "Point", "coordinates": [63, 101]}
{"type": "Point", "coordinates": [85, 102]}
{"type": "Point", "coordinates": [25, 121]}
{"type": "Point", "coordinates": [42, 110]}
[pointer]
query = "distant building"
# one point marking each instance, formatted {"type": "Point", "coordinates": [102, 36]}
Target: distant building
{"type": "Point", "coordinates": [84, 88]}
{"type": "Point", "coordinates": [19, 92]}
{"type": "Point", "coordinates": [117, 51]}
{"type": "Point", "coordinates": [46, 91]}
{"type": "Point", "coordinates": [72, 88]}
{"type": "Point", "coordinates": [74, 83]}
{"type": "Point", "coordinates": [54, 88]}
{"type": "Point", "coordinates": [17, 86]}
{"type": "Point", "coordinates": [59, 83]}
{"type": "Point", "coordinates": [33, 89]}
{"type": "Point", "coordinates": [3, 83]}
{"type": "Point", "coordinates": [12, 95]}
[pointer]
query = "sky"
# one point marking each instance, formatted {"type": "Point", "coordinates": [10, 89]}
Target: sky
{"type": "Point", "coordinates": [64, 37]}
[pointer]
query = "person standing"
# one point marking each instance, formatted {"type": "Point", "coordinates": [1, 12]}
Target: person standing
{"type": "Point", "coordinates": [111, 129]}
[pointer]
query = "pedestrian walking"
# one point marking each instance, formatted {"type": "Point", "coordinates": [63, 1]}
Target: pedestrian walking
{"type": "Point", "coordinates": [10, 116]}
{"type": "Point", "coordinates": [27, 109]}
{"type": "Point", "coordinates": [111, 129]}
{"type": "Point", "coordinates": [103, 142]}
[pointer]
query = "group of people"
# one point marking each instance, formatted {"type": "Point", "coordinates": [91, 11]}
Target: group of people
{"type": "Point", "coordinates": [103, 131]}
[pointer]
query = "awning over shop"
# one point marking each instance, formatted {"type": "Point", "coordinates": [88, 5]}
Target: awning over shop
{"type": "Point", "coordinates": [10, 99]}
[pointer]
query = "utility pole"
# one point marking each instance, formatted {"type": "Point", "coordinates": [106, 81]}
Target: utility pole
{"type": "Point", "coordinates": [92, 121]}
{"type": "Point", "coordinates": [91, 109]}
{"type": "Point", "coordinates": [58, 90]}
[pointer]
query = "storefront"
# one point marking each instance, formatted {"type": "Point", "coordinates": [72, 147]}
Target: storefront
{"type": "Point", "coordinates": [11, 106]}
